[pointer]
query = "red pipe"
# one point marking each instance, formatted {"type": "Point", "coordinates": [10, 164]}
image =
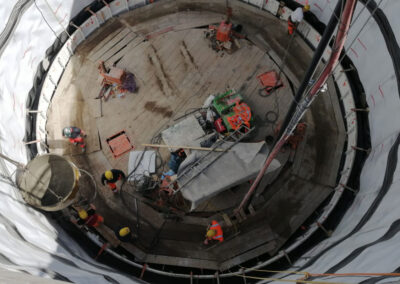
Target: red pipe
{"type": "Point", "coordinates": [341, 36]}
{"type": "Point", "coordinates": [343, 28]}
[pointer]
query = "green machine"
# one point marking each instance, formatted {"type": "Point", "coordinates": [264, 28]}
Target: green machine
{"type": "Point", "coordinates": [223, 104]}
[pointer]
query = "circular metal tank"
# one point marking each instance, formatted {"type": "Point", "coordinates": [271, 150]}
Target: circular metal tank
{"type": "Point", "coordinates": [49, 182]}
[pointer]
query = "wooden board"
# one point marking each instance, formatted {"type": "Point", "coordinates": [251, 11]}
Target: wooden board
{"type": "Point", "coordinates": [110, 43]}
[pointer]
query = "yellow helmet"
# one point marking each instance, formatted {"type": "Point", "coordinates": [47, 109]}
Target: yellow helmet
{"type": "Point", "coordinates": [108, 175]}
{"type": "Point", "coordinates": [211, 233]}
{"type": "Point", "coordinates": [124, 231]}
{"type": "Point", "coordinates": [82, 214]}
{"type": "Point", "coordinates": [306, 7]}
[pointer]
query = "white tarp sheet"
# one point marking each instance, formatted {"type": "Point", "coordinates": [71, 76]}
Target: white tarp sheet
{"type": "Point", "coordinates": [240, 164]}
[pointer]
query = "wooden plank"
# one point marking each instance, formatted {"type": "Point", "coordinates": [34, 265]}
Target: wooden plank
{"type": "Point", "coordinates": [268, 247]}
{"type": "Point", "coordinates": [182, 261]}
{"type": "Point", "coordinates": [184, 249]}
{"type": "Point", "coordinates": [138, 253]}
{"type": "Point", "coordinates": [108, 234]}
{"type": "Point", "coordinates": [118, 47]}
{"type": "Point", "coordinates": [120, 54]}
{"type": "Point", "coordinates": [244, 242]}
{"type": "Point", "coordinates": [113, 41]}
{"type": "Point", "coordinates": [104, 41]}
{"type": "Point", "coordinates": [184, 147]}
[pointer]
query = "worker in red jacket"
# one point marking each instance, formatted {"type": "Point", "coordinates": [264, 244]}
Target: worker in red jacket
{"type": "Point", "coordinates": [75, 136]}
{"type": "Point", "coordinates": [89, 218]}
{"type": "Point", "coordinates": [111, 177]}
{"type": "Point", "coordinates": [296, 17]}
{"type": "Point", "coordinates": [214, 232]}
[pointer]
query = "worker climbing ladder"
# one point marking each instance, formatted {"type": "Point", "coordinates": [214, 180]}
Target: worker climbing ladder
{"type": "Point", "coordinates": [189, 173]}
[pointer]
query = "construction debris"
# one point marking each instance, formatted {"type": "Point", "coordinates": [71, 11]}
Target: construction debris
{"type": "Point", "coordinates": [116, 82]}
{"type": "Point", "coordinates": [226, 35]}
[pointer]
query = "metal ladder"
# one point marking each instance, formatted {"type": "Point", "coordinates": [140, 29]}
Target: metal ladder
{"type": "Point", "coordinates": [198, 167]}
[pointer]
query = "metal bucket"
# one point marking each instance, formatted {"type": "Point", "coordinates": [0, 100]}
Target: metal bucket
{"type": "Point", "coordinates": [49, 182]}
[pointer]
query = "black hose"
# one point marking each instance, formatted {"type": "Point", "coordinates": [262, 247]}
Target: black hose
{"type": "Point", "coordinates": [328, 32]}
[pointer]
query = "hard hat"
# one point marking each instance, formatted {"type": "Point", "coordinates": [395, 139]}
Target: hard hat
{"type": "Point", "coordinates": [82, 214]}
{"type": "Point", "coordinates": [66, 131]}
{"type": "Point", "coordinates": [124, 231]}
{"type": "Point", "coordinates": [306, 7]}
{"type": "Point", "coordinates": [108, 175]}
{"type": "Point", "coordinates": [211, 233]}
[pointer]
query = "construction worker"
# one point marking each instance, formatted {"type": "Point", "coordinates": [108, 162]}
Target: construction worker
{"type": "Point", "coordinates": [111, 177]}
{"type": "Point", "coordinates": [89, 218]}
{"type": "Point", "coordinates": [296, 17]}
{"type": "Point", "coordinates": [214, 232]}
{"type": "Point", "coordinates": [124, 234]}
{"type": "Point", "coordinates": [75, 135]}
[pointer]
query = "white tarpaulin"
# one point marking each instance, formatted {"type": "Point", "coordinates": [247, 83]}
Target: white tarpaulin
{"type": "Point", "coordinates": [239, 164]}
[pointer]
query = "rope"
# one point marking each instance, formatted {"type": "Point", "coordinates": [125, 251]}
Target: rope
{"type": "Point", "coordinates": [41, 13]}
{"type": "Point", "coordinates": [288, 280]}
{"type": "Point", "coordinates": [355, 274]}
{"type": "Point", "coordinates": [308, 274]}
{"type": "Point", "coordinates": [94, 183]}
{"type": "Point", "coordinates": [355, 38]}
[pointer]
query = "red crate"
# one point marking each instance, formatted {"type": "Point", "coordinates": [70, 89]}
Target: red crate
{"type": "Point", "coordinates": [119, 144]}
{"type": "Point", "coordinates": [269, 79]}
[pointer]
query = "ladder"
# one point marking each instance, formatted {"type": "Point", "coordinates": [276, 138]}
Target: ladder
{"type": "Point", "coordinates": [199, 166]}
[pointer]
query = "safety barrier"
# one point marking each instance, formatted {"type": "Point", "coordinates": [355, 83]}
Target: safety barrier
{"type": "Point", "coordinates": [307, 31]}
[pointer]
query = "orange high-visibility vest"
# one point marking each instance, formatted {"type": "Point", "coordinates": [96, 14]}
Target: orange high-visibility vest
{"type": "Point", "coordinates": [219, 235]}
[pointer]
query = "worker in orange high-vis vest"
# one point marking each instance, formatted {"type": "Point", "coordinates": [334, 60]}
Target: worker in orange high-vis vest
{"type": "Point", "coordinates": [214, 233]}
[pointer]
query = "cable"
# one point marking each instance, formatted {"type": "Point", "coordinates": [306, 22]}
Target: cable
{"type": "Point", "coordinates": [57, 19]}
{"type": "Point", "coordinates": [289, 280]}
{"type": "Point", "coordinates": [355, 38]}
{"type": "Point", "coordinates": [40, 11]}
{"type": "Point", "coordinates": [94, 183]}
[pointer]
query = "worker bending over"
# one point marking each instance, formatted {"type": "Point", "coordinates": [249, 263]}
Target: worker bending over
{"type": "Point", "coordinates": [296, 17]}
{"type": "Point", "coordinates": [214, 232]}
{"type": "Point", "coordinates": [89, 218]}
{"type": "Point", "coordinates": [75, 135]}
{"type": "Point", "coordinates": [111, 177]}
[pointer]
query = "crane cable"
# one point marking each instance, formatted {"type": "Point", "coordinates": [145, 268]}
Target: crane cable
{"type": "Point", "coordinates": [289, 280]}
{"type": "Point", "coordinates": [308, 275]}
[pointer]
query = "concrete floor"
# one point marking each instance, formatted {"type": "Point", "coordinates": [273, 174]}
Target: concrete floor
{"type": "Point", "coordinates": [176, 71]}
